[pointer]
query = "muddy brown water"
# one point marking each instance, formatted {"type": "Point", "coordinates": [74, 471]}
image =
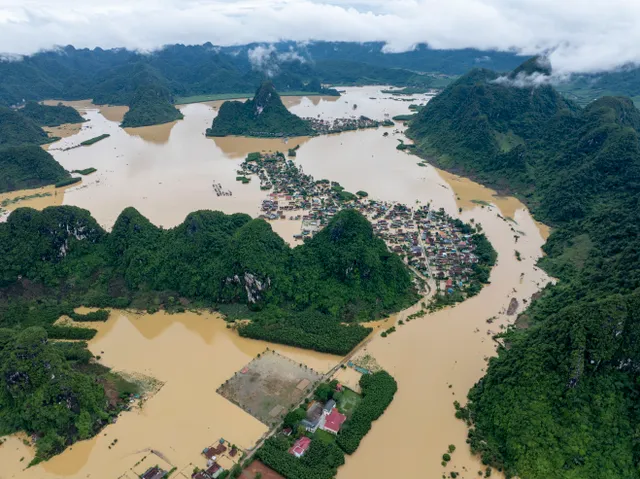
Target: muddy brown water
{"type": "Point", "coordinates": [193, 354]}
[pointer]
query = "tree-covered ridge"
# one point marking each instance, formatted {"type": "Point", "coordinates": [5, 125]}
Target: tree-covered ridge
{"type": "Point", "coordinates": [28, 166]}
{"type": "Point", "coordinates": [23, 163]}
{"type": "Point", "coordinates": [44, 115]}
{"type": "Point", "coordinates": [561, 399]}
{"type": "Point", "coordinates": [478, 126]}
{"type": "Point", "coordinates": [17, 129]}
{"type": "Point", "coordinates": [73, 74]}
{"type": "Point", "coordinates": [300, 296]}
{"type": "Point", "coordinates": [263, 115]}
{"type": "Point", "coordinates": [151, 104]}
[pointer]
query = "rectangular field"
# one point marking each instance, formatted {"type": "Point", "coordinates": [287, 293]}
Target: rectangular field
{"type": "Point", "coordinates": [269, 386]}
{"type": "Point", "coordinates": [256, 467]}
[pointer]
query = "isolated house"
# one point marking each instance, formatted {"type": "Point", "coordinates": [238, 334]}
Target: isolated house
{"type": "Point", "coordinates": [214, 470]}
{"type": "Point", "coordinates": [300, 446]}
{"type": "Point", "coordinates": [154, 473]}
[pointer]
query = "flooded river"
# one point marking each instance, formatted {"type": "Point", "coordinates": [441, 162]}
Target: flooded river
{"type": "Point", "coordinates": [167, 172]}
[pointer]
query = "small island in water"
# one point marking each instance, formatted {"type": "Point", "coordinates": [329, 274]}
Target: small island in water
{"type": "Point", "coordinates": [265, 116]}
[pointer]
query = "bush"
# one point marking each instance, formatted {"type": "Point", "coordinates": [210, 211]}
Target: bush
{"type": "Point", "coordinates": [69, 332]}
{"type": "Point", "coordinates": [378, 390]}
{"type": "Point", "coordinates": [100, 315]}
{"type": "Point", "coordinates": [68, 181]}
{"type": "Point", "coordinates": [95, 139]}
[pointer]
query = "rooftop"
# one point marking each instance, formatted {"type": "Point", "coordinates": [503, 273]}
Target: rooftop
{"type": "Point", "coordinates": [334, 421]}
{"type": "Point", "coordinates": [329, 405]}
{"type": "Point", "coordinates": [300, 446]}
{"type": "Point", "coordinates": [154, 473]}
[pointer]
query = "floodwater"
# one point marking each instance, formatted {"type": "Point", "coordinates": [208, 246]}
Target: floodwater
{"type": "Point", "coordinates": [193, 354]}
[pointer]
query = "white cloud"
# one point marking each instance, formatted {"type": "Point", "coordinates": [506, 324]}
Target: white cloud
{"type": "Point", "coordinates": [268, 60]}
{"type": "Point", "coordinates": [522, 80]}
{"type": "Point", "coordinates": [580, 36]}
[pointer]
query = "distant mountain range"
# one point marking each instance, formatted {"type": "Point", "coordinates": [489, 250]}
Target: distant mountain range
{"type": "Point", "coordinates": [106, 75]}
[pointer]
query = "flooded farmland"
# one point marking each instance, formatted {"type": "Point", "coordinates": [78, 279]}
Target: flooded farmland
{"type": "Point", "coordinates": [168, 171]}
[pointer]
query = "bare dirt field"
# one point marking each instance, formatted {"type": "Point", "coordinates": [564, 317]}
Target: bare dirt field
{"type": "Point", "coordinates": [269, 386]}
{"type": "Point", "coordinates": [257, 467]}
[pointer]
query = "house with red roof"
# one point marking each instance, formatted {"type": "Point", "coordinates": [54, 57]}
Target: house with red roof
{"type": "Point", "coordinates": [300, 446]}
{"type": "Point", "coordinates": [333, 421]}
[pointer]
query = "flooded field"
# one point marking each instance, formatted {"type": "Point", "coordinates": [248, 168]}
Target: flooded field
{"type": "Point", "coordinates": [168, 171]}
{"type": "Point", "coordinates": [192, 355]}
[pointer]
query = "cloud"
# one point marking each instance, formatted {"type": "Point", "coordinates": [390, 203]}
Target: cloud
{"type": "Point", "coordinates": [522, 80]}
{"type": "Point", "coordinates": [261, 59]}
{"type": "Point", "coordinates": [578, 36]}
{"type": "Point", "coordinates": [266, 59]}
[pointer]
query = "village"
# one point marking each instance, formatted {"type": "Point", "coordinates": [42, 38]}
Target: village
{"type": "Point", "coordinates": [438, 249]}
{"type": "Point", "coordinates": [322, 403]}
{"type": "Point", "coordinates": [338, 125]}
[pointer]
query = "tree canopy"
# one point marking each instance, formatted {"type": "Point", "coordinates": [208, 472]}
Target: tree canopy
{"type": "Point", "coordinates": [44, 115]}
{"type": "Point", "coordinates": [28, 166]}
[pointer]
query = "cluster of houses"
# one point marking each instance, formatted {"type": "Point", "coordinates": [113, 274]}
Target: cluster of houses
{"type": "Point", "coordinates": [431, 242]}
{"type": "Point", "coordinates": [325, 417]}
{"type": "Point", "coordinates": [337, 125]}
{"type": "Point", "coordinates": [213, 454]}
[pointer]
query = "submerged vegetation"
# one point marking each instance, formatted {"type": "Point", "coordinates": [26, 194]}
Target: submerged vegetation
{"type": "Point", "coordinates": [570, 379]}
{"type": "Point", "coordinates": [95, 139]}
{"type": "Point", "coordinates": [68, 181]}
{"type": "Point", "coordinates": [86, 171]}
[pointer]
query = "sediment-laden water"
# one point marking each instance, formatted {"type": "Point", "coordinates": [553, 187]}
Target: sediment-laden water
{"type": "Point", "coordinates": [166, 172]}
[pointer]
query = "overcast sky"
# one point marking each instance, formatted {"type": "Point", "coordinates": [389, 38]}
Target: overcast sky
{"type": "Point", "coordinates": [582, 35]}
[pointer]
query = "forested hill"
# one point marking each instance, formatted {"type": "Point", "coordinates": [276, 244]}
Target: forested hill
{"type": "Point", "coordinates": [149, 99]}
{"type": "Point", "coordinates": [344, 272]}
{"type": "Point", "coordinates": [23, 163]}
{"type": "Point", "coordinates": [562, 400]}
{"type": "Point", "coordinates": [17, 129]}
{"type": "Point", "coordinates": [44, 115]}
{"type": "Point", "coordinates": [263, 115]}
{"type": "Point", "coordinates": [28, 166]}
